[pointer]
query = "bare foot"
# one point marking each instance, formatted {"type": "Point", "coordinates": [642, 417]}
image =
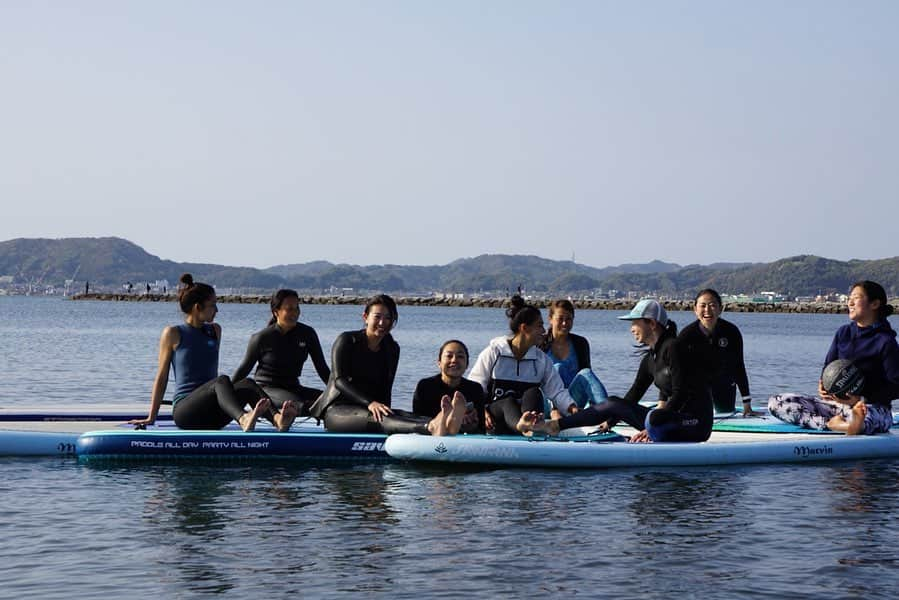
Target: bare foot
{"type": "Point", "coordinates": [857, 421]}
{"type": "Point", "coordinates": [285, 418]}
{"type": "Point", "coordinates": [456, 414]}
{"type": "Point", "coordinates": [248, 420]}
{"type": "Point", "coordinates": [437, 425]}
{"type": "Point", "coordinates": [530, 422]}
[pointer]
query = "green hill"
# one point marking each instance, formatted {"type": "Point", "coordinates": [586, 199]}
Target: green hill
{"type": "Point", "coordinates": [112, 261]}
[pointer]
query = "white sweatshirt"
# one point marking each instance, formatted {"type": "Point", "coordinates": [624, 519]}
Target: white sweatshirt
{"type": "Point", "coordinates": [501, 374]}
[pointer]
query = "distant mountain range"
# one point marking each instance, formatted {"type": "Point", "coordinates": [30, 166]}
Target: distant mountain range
{"type": "Point", "coordinates": [109, 262]}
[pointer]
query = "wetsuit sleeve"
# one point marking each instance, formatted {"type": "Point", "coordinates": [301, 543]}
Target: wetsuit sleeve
{"type": "Point", "coordinates": [552, 385]}
{"type": "Point", "coordinates": [395, 361]}
{"type": "Point", "coordinates": [418, 398]}
{"type": "Point", "coordinates": [641, 382]}
{"type": "Point", "coordinates": [249, 360]}
{"type": "Point", "coordinates": [482, 370]}
{"type": "Point", "coordinates": [739, 364]}
{"type": "Point", "coordinates": [582, 350]}
{"type": "Point", "coordinates": [318, 357]}
{"type": "Point", "coordinates": [342, 363]}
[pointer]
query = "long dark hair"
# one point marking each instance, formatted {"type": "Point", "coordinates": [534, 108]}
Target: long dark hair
{"type": "Point", "coordinates": [874, 291]}
{"type": "Point", "coordinates": [521, 313]}
{"type": "Point", "coordinates": [278, 299]}
{"type": "Point", "coordinates": [191, 293]}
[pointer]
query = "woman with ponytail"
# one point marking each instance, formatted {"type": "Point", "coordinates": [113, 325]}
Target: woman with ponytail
{"type": "Point", "coordinates": [869, 342]}
{"type": "Point", "coordinates": [684, 412]}
{"type": "Point", "coordinates": [203, 398]}
{"type": "Point", "coordinates": [279, 352]}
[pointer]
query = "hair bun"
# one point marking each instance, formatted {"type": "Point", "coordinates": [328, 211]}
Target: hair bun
{"type": "Point", "coordinates": [187, 280]}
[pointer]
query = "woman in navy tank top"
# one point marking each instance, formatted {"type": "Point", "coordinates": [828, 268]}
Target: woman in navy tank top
{"type": "Point", "coordinates": [204, 399]}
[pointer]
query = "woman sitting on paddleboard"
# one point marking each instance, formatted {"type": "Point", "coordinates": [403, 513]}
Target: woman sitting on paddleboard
{"type": "Point", "coordinates": [279, 352]}
{"type": "Point", "coordinates": [515, 374]}
{"type": "Point", "coordinates": [570, 355]}
{"type": "Point", "coordinates": [721, 346]}
{"type": "Point", "coordinates": [869, 342]}
{"type": "Point", "coordinates": [203, 398]}
{"type": "Point", "coordinates": [684, 412]}
{"type": "Point", "coordinates": [432, 393]}
{"type": "Point", "coordinates": [357, 398]}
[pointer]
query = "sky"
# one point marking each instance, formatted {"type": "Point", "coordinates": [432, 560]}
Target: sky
{"type": "Point", "coordinates": [372, 132]}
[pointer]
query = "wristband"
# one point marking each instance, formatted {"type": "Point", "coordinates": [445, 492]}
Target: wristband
{"type": "Point", "coordinates": [747, 399]}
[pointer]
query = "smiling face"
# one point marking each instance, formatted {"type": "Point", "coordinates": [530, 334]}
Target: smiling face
{"type": "Point", "coordinates": [862, 310]}
{"type": "Point", "coordinates": [288, 313]}
{"type": "Point", "coordinates": [643, 331]}
{"type": "Point", "coordinates": [378, 321]}
{"type": "Point", "coordinates": [453, 361]}
{"type": "Point", "coordinates": [707, 310]}
{"type": "Point", "coordinates": [561, 322]}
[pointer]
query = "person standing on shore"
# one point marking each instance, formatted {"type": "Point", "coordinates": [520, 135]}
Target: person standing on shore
{"type": "Point", "coordinates": [279, 352]}
{"type": "Point", "coordinates": [869, 342]}
{"type": "Point", "coordinates": [720, 344]}
{"type": "Point", "coordinates": [203, 398]}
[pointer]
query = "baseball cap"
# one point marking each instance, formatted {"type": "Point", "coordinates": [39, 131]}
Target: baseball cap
{"type": "Point", "coordinates": [647, 309]}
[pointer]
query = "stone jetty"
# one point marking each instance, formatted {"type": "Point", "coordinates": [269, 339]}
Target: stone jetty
{"type": "Point", "coordinates": [617, 305]}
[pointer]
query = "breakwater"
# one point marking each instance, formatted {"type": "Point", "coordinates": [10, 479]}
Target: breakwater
{"type": "Point", "coordinates": [622, 305]}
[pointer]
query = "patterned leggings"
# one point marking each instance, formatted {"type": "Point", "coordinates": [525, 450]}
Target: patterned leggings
{"type": "Point", "coordinates": [814, 413]}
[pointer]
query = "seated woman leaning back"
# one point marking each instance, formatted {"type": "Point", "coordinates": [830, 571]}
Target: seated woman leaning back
{"type": "Point", "coordinates": [203, 398]}
{"type": "Point", "coordinates": [358, 396]}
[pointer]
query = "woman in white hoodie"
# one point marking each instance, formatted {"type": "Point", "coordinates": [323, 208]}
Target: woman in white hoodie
{"type": "Point", "coordinates": [516, 374]}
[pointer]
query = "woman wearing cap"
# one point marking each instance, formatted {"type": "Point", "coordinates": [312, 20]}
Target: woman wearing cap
{"type": "Point", "coordinates": [720, 344]}
{"type": "Point", "coordinates": [869, 342]}
{"type": "Point", "coordinates": [570, 355]}
{"type": "Point", "coordinates": [515, 374]}
{"type": "Point", "coordinates": [684, 412]}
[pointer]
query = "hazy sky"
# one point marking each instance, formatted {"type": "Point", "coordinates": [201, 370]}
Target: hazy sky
{"type": "Point", "coordinates": [260, 133]}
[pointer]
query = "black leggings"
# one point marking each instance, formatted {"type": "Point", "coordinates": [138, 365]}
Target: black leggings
{"type": "Point", "coordinates": [215, 403]}
{"type": "Point", "coordinates": [302, 396]}
{"type": "Point", "coordinates": [663, 425]}
{"type": "Point", "coordinates": [724, 393]}
{"type": "Point", "coordinates": [352, 418]}
{"type": "Point", "coordinates": [507, 411]}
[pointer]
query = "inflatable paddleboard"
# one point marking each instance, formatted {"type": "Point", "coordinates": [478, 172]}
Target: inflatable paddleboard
{"type": "Point", "coordinates": [723, 448]}
{"type": "Point", "coordinates": [310, 445]}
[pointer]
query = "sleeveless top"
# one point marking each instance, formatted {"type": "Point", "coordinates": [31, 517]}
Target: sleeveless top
{"type": "Point", "coordinates": [196, 359]}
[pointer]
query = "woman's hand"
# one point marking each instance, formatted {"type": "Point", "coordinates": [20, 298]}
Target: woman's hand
{"type": "Point", "coordinates": [641, 437]}
{"type": "Point", "coordinates": [824, 394]}
{"type": "Point", "coordinates": [379, 411]}
{"type": "Point", "coordinates": [142, 422]}
{"type": "Point", "coordinates": [488, 421]}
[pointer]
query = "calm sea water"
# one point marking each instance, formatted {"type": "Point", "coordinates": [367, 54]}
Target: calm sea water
{"type": "Point", "coordinates": [275, 530]}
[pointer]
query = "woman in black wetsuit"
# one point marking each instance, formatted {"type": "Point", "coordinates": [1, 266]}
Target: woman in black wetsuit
{"type": "Point", "coordinates": [203, 398]}
{"type": "Point", "coordinates": [357, 398]}
{"type": "Point", "coordinates": [431, 393]}
{"type": "Point", "coordinates": [720, 344]}
{"type": "Point", "coordinates": [684, 412]}
{"type": "Point", "coordinates": [279, 351]}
